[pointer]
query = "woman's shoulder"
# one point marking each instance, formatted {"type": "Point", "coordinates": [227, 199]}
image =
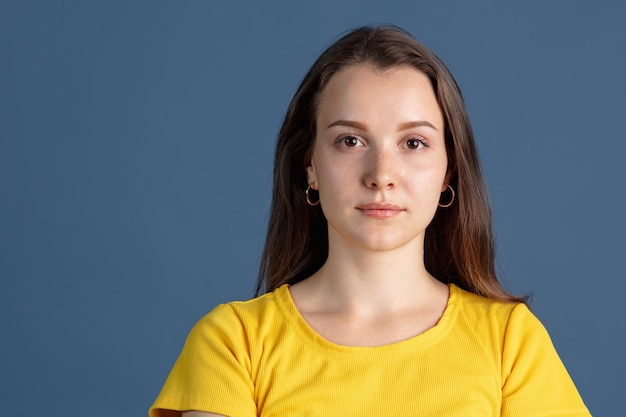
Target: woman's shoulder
{"type": "Point", "coordinates": [473, 307]}
{"type": "Point", "coordinates": [244, 314]}
{"type": "Point", "coordinates": [510, 327]}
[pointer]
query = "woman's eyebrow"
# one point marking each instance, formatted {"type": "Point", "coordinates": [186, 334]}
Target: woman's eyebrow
{"type": "Point", "coordinates": [362, 126]}
{"type": "Point", "coordinates": [417, 123]}
{"type": "Point", "coordinates": [349, 123]}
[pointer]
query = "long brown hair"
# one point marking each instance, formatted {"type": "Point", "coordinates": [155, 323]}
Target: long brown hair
{"type": "Point", "coordinates": [459, 246]}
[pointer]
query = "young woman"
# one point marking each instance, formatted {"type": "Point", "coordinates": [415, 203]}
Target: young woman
{"type": "Point", "coordinates": [378, 271]}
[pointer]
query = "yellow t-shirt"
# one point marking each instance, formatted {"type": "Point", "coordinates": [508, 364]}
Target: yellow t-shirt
{"type": "Point", "coordinates": [260, 358]}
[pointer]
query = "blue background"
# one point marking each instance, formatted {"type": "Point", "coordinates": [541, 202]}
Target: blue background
{"type": "Point", "coordinates": [136, 145]}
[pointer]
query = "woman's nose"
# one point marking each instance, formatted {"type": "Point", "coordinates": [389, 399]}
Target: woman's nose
{"type": "Point", "coordinates": [380, 170]}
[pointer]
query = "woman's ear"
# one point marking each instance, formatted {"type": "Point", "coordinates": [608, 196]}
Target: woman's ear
{"type": "Point", "coordinates": [311, 176]}
{"type": "Point", "coordinates": [447, 179]}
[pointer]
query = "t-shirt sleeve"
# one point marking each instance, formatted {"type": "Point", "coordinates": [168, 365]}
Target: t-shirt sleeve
{"type": "Point", "coordinates": [535, 381]}
{"type": "Point", "coordinates": [212, 373]}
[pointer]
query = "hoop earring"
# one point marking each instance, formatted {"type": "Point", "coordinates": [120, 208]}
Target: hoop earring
{"type": "Point", "coordinates": [308, 200]}
{"type": "Point", "coordinates": [451, 200]}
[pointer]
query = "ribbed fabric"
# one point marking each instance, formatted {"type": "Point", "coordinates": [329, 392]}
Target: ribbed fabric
{"type": "Point", "coordinates": [260, 358]}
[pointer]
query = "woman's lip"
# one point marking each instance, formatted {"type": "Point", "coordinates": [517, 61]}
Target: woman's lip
{"type": "Point", "coordinates": [380, 210]}
{"type": "Point", "coordinates": [379, 206]}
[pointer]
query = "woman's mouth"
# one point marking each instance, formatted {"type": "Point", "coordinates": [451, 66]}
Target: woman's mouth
{"type": "Point", "coordinates": [380, 210]}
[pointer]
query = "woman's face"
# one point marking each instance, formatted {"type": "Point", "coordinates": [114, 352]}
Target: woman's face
{"type": "Point", "coordinates": [379, 159]}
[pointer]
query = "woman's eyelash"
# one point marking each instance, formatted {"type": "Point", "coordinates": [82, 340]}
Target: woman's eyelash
{"type": "Point", "coordinates": [416, 143]}
{"type": "Point", "coordinates": [349, 141]}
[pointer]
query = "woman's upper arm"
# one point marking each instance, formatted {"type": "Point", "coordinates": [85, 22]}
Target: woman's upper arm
{"type": "Point", "coordinates": [211, 372]}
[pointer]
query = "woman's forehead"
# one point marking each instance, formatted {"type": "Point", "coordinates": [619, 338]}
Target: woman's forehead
{"type": "Point", "coordinates": [362, 91]}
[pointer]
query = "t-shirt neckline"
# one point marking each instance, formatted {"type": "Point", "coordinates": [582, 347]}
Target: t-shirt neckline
{"type": "Point", "coordinates": [420, 341]}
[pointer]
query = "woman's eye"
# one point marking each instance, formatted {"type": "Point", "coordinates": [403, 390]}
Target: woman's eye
{"type": "Point", "coordinates": [350, 141]}
{"type": "Point", "coordinates": [414, 143]}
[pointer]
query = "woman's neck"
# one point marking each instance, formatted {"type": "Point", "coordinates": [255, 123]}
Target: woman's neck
{"type": "Point", "coordinates": [368, 282]}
